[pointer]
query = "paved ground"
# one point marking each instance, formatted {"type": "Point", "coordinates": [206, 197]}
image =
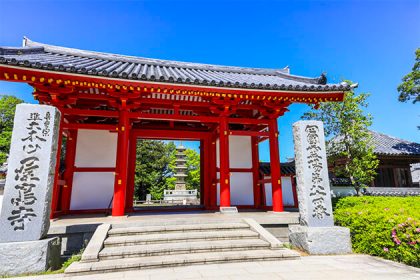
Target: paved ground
{"type": "Point", "coordinates": [343, 267]}
{"type": "Point", "coordinates": [264, 217]}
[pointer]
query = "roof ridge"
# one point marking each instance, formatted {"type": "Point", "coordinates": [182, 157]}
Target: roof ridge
{"type": "Point", "coordinates": [283, 72]}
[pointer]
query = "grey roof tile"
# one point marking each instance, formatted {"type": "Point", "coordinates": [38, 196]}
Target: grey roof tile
{"type": "Point", "coordinates": [38, 55]}
{"type": "Point", "coordinates": [388, 145]}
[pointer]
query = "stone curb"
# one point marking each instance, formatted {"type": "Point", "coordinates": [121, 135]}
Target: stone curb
{"type": "Point", "coordinates": [264, 234]}
{"type": "Point", "coordinates": [91, 253]}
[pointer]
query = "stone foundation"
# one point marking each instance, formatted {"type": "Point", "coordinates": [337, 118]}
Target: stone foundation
{"type": "Point", "coordinates": [321, 240]}
{"type": "Point", "coordinates": [29, 256]}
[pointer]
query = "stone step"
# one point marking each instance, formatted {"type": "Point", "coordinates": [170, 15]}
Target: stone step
{"type": "Point", "coordinates": [179, 236]}
{"type": "Point", "coordinates": [179, 260]}
{"type": "Point", "coordinates": [176, 228]}
{"type": "Point", "coordinates": [181, 248]}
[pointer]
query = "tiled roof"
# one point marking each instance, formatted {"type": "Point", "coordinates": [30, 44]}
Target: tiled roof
{"type": "Point", "coordinates": [61, 59]}
{"type": "Point", "coordinates": [287, 168]}
{"type": "Point", "coordinates": [388, 145]}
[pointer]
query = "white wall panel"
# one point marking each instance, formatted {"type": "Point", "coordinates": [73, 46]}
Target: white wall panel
{"type": "Point", "coordinates": [92, 190]}
{"type": "Point", "coordinates": [286, 183]}
{"type": "Point", "coordinates": [241, 190]}
{"type": "Point", "coordinates": [96, 148]}
{"type": "Point", "coordinates": [268, 194]}
{"type": "Point", "coordinates": [287, 192]}
{"type": "Point", "coordinates": [240, 153]}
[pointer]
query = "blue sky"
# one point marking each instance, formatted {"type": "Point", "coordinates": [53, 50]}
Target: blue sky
{"type": "Point", "coordinates": [369, 42]}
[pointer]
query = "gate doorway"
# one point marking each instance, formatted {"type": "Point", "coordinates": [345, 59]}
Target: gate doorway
{"type": "Point", "coordinates": [177, 179]}
{"type": "Point", "coordinates": [167, 175]}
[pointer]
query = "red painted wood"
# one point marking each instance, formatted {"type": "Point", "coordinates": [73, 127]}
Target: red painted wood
{"type": "Point", "coordinates": [169, 134]}
{"type": "Point", "coordinates": [145, 86]}
{"type": "Point", "coordinates": [94, 169]}
{"type": "Point", "coordinates": [90, 113]}
{"type": "Point", "coordinates": [120, 185]}
{"type": "Point", "coordinates": [256, 172]}
{"type": "Point", "coordinates": [248, 133]}
{"type": "Point", "coordinates": [94, 126]}
{"type": "Point", "coordinates": [275, 167]}
{"type": "Point", "coordinates": [132, 154]}
{"type": "Point", "coordinates": [55, 193]}
{"type": "Point", "coordinates": [295, 197]}
{"type": "Point", "coordinates": [69, 172]}
{"type": "Point", "coordinates": [239, 170]}
{"type": "Point", "coordinates": [205, 119]}
{"type": "Point", "coordinates": [213, 173]}
{"type": "Point", "coordinates": [224, 163]}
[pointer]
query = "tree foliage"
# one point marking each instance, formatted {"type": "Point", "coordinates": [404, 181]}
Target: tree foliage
{"type": "Point", "coordinates": [155, 162]}
{"type": "Point", "coordinates": [346, 125]}
{"type": "Point", "coordinates": [7, 114]}
{"type": "Point", "coordinates": [410, 86]}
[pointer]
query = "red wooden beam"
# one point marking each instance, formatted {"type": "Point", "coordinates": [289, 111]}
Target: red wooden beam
{"type": "Point", "coordinates": [94, 169]}
{"type": "Point", "coordinates": [170, 134]}
{"type": "Point", "coordinates": [205, 119]}
{"type": "Point", "coordinates": [123, 87]}
{"type": "Point", "coordinates": [94, 126]}
{"type": "Point", "coordinates": [90, 113]}
{"type": "Point", "coordinates": [248, 133]}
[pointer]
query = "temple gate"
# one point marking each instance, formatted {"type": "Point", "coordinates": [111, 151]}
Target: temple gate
{"type": "Point", "coordinates": [107, 101]}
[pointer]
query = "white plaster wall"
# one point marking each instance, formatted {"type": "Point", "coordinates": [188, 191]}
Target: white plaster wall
{"type": "Point", "coordinates": [92, 190]}
{"type": "Point", "coordinates": [240, 153]}
{"type": "Point", "coordinates": [287, 192]}
{"type": "Point", "coordinates": [241, 183]}
{"type": "Point", "coordinates": [96, 148]}
{"type": "Point", "coordinates": [241, 189]}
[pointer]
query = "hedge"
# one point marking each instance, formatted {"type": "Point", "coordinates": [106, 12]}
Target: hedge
{"type": "Point", "coordinates": [387, 227]}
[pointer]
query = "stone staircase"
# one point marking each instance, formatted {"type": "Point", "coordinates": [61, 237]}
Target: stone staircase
{"type": "Point", "coordinates": [128, 247]}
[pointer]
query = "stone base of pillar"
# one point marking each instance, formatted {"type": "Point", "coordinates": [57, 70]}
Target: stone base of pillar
{"type": "Point", "coordinates": [29, 257]}
{"type": "Point", "coordinates": [321, 240]}
{"type": "Point", "coordinates": [229, 210]}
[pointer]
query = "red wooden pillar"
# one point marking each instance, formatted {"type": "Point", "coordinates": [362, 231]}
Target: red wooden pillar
{"type": "Point", "coordinates": [69, 172]}
{"type": "Point", "coordinates": [224, 163]}
{"type": "Point", "coordinates": [56, 191]}
{"type": "Point", "coordinates": [202, 175]}
{"type": "Point", "coordinates": [213, 173]}
{"type": "Point", "coordinates": [256, 172]}
{"type": "Point", "coordinates": [120, 184]}
{"type": "Point", "coordinates": [275, 166]}
{"type": "Point", "coordinates": [132, 154]}
{"type": "Point", "coordinates": [295, 198]}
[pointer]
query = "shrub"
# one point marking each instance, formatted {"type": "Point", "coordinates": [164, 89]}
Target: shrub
{"type": "Point", "coordinates": [387, 227]}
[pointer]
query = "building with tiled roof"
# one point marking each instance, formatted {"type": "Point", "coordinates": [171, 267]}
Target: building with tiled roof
{"type": "Point", "coordinates": [396, 157]}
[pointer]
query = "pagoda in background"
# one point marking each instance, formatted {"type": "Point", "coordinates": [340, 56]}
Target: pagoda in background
{"type": "Point", "coordinates": [180, 168]}
{"type": "Point", "coordinates": [180, 195]}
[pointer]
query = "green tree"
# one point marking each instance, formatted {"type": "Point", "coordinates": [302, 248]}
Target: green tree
{"type": "Point", "coordinates": [346, 125]}
{"type": "Point", "coordinates": [410, 86]}
{"type": "Point", "coordinates": [193, 170]}
{"type": "Point", "coordinates": [7, 113]}
{"type": "Point", "coordinates": [152, 168]}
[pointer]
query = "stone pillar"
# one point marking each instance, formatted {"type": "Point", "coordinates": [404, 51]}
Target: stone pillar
{"type": "Point", "coordinates": [25, 213]}
{"type": "Point", "coordinates": [316, 233]}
